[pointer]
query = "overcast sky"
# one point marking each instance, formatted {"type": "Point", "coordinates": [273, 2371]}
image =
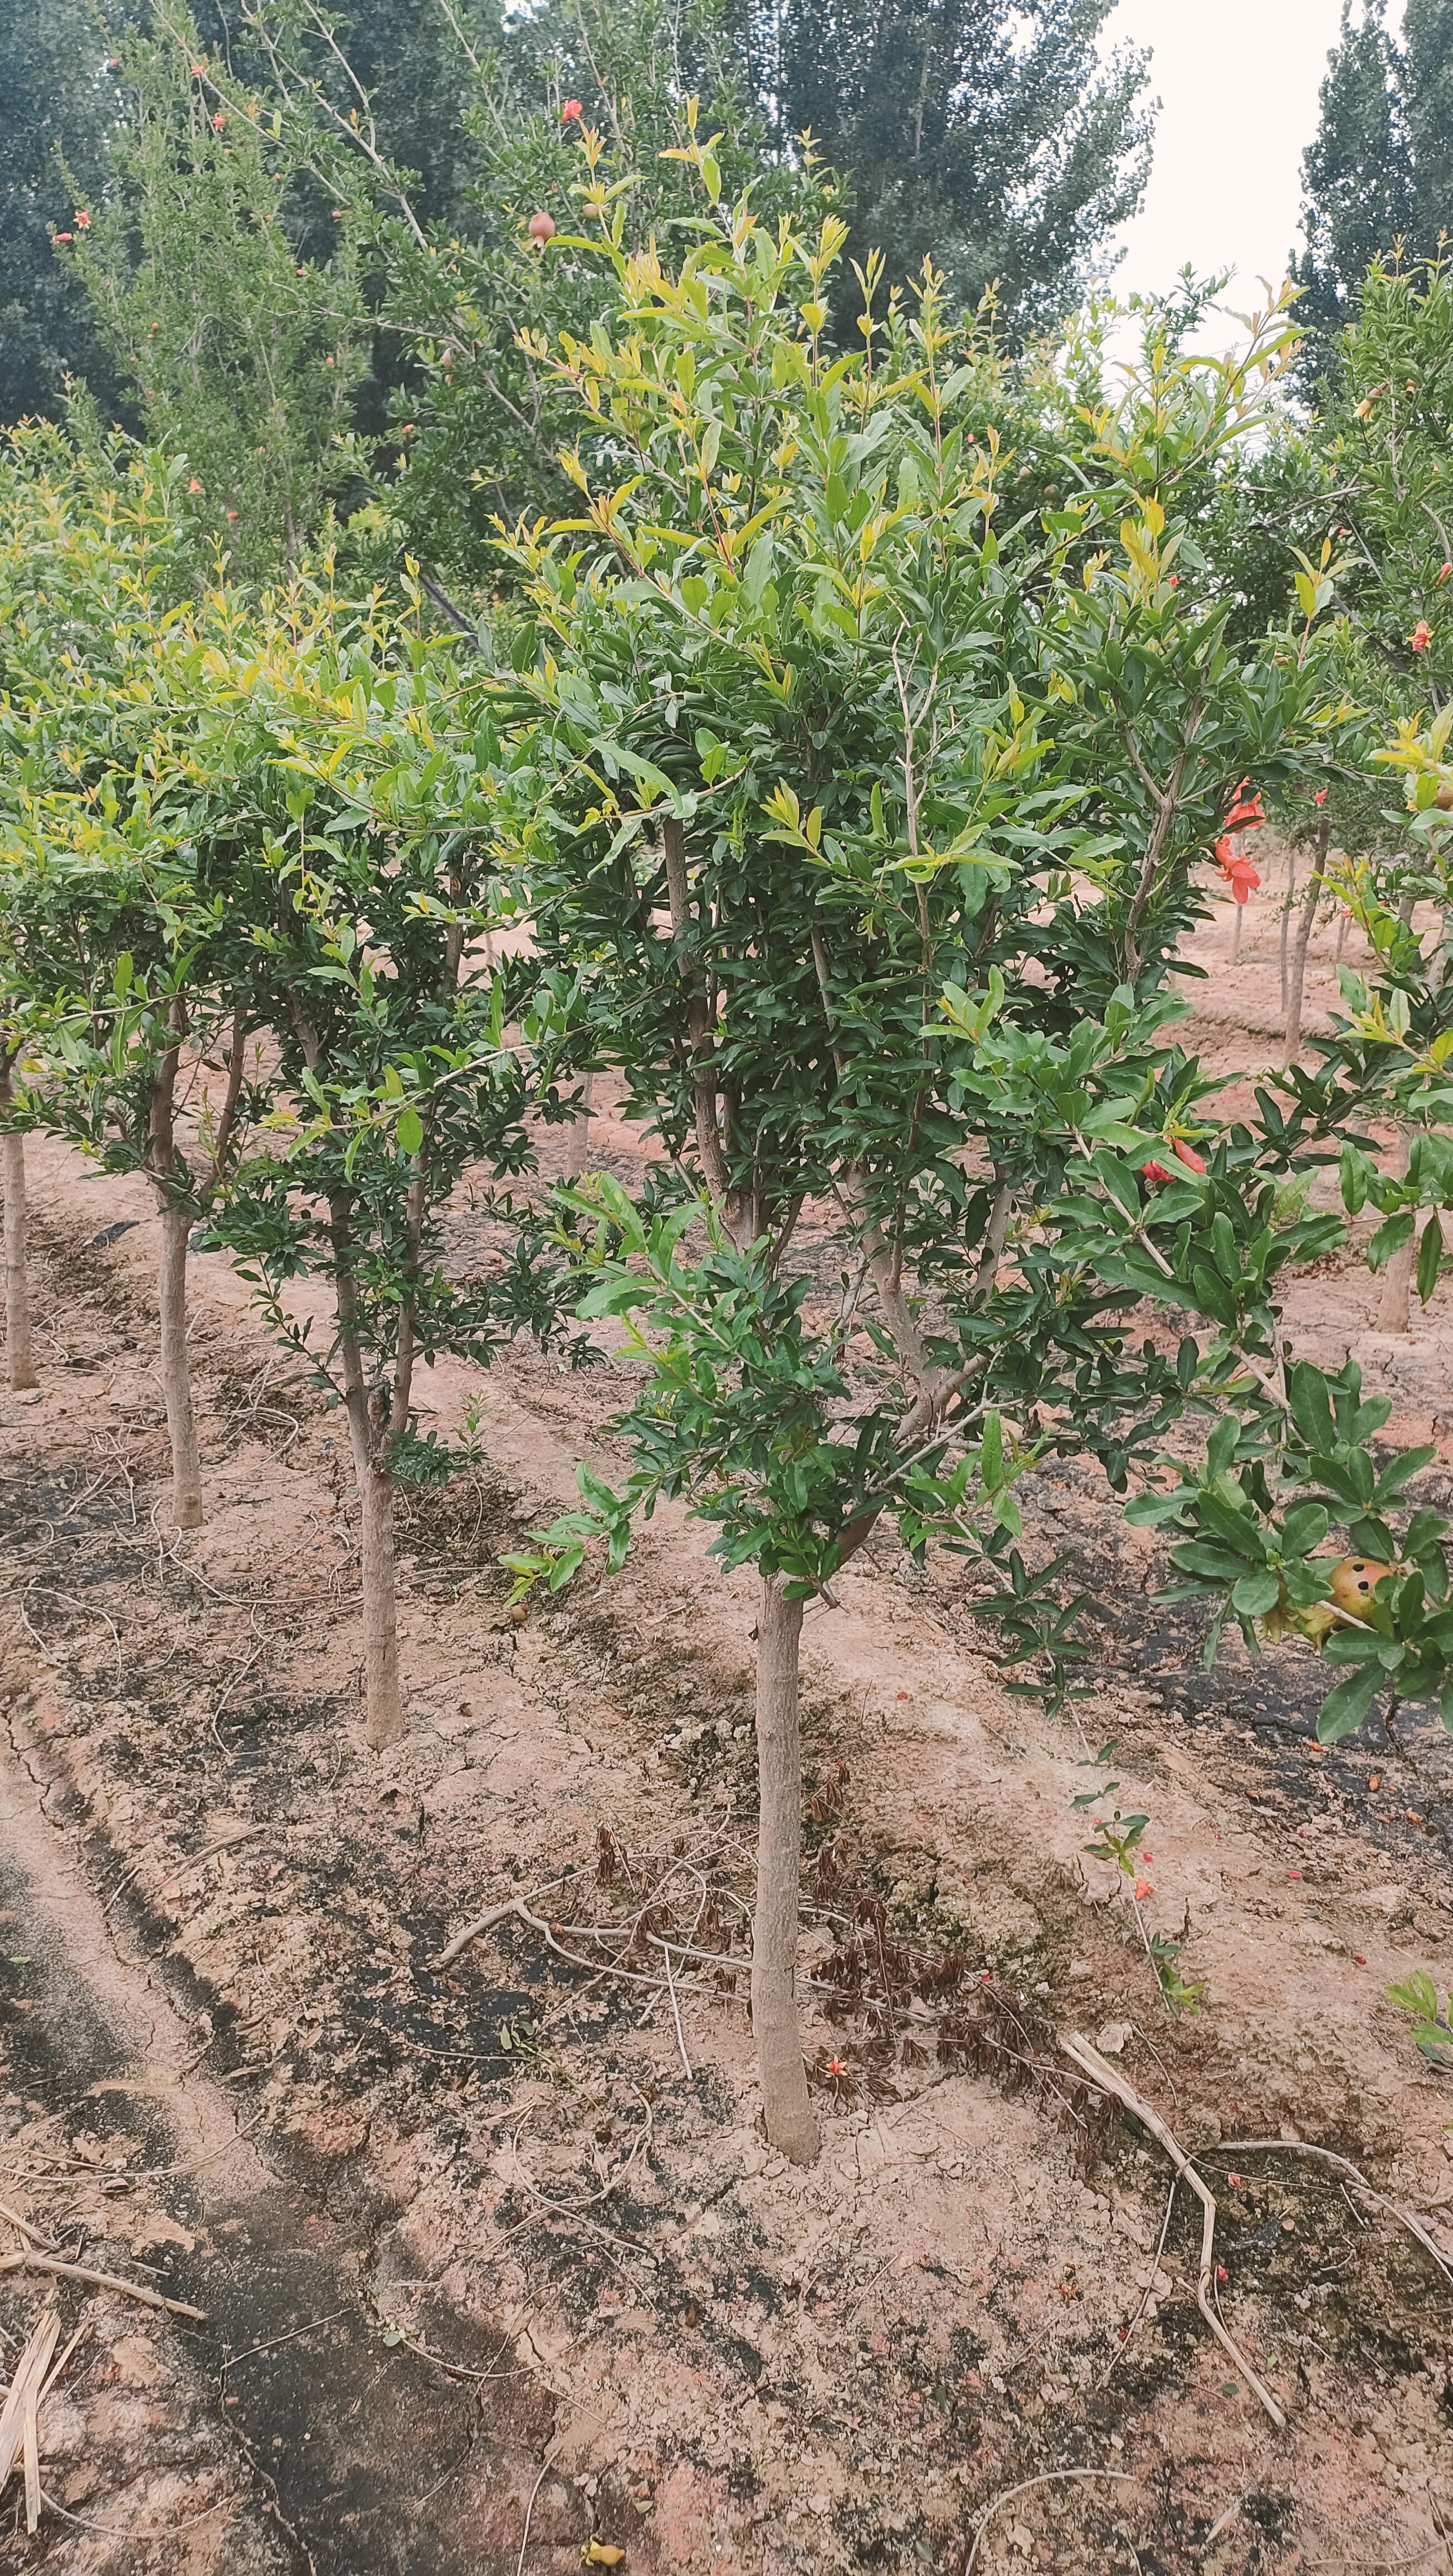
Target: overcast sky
{"type": "Point", "coordinates": [1238, 83]}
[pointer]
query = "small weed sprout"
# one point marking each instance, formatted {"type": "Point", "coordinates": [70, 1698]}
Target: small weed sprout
{"type": "Point", "coordinates": [1417, 1996]}
{"type": "Point", "coordinates": [1120, 1839]}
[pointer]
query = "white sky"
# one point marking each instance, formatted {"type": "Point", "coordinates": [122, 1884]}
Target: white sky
{"type": "Point", "coordinates": [1238, 83]}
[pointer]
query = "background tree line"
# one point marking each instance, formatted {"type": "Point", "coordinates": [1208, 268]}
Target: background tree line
{"type": "Point", "coordinates": [358, 212]}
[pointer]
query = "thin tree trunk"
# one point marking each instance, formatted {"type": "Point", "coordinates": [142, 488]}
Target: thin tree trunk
{"type": "Point", "coordinates": [1395, 1306]}
{"type": "Point", "coordinates": [176, 1378]}
{"type": "Point", "coordinates": [176, 1225]}
{"type": "Point", "coordinates": [1297, 984]}
{"type": "Point", "coordinates": [383, 1722]}
{"type": "Point", "coordinates": [384, 1708]}
{"type": "Point", "coordinates": [20, 1364]}
{"type": "Point", "coordinates": [577, 1137]}
{"type": "Point", "coordinates": [1286, 919]}
{"type": "Point", "coordinates": [1236, 934]}
{"type": "Point", "coordinates": [790, 2124]}
{"type": "Point", "coordinates": [1394, 1310]}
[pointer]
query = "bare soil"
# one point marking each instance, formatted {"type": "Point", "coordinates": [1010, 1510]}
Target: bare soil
{"type": "Point", "coordinates": [494, 2259]}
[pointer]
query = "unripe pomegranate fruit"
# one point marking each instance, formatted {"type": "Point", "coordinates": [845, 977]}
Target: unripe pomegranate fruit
{"type": "Point", "coordinates": [1354, 1580]}
{"type": "Point", "coordinates": [542, 229]}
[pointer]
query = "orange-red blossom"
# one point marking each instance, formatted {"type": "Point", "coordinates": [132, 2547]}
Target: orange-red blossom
{"type": "Point", "coordinates": [1238, 871]}
{"type": "Point", "coordinates": [1246, 812]}
{"type": "Point", "coordinates": [1246, 815]}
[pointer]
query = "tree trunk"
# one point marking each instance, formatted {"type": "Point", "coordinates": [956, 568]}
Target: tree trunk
{"type": "Point", "coordinates": [20, 1365]}
{"type": "Point", "coordinates": [1394, 1310]}
{"type": "Point", "coordinates": [790, 2124]}
{"type": "Point", "coordinates": [577, 1137]}
{"type": "Point", "coordinates": [176, 1380]}
{"type": "Point", "coordinates": [383, 1707]}
{"type": "Point", "coordinates": [1286, 919]}
{"type": "Point", "coordinates": [1297, 983]}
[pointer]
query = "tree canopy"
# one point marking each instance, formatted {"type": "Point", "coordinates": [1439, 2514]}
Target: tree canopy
{"type": "Point", "coordinates": [1379, 172]}
{"type": "Point", "coordinates": [56, 95]}
{"type": "Point", "coordinates": [992, 139]}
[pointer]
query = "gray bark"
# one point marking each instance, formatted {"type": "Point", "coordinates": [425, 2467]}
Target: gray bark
{"type": "Point", "coordinates": [1394, 1308]}
{"type": "Point", "coordinates": [790, 2124]}
{"type": "Point", "coordinates": [176, 1378]}
{"type": "Point", "coordinates": [19, 1359]}
{"type": "Point", "coordinates": [1297, 982]}
{"type": "Point", "coordinates": [384, 1708]}
{"type": "Point", "coordinates": [368, 1431]}
{"type": "Point", "coordinates": [1286, 919]}
{"type": "Point", "coordinates": [577, 1135]}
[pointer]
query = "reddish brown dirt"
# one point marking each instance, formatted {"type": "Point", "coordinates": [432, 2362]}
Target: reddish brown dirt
{"type": "Point", "coordinates": [531, 2252]}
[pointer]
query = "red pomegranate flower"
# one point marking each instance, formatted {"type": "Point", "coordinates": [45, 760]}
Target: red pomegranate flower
{"type": "Point", "coordinates": [1144, 1887]}
{"type": "Point", "coordinates": [1155, 1173]}
{"type": "Point", "coordinates": [1238, 871]}
{"type": "Point", "coordinates": [1246, 813]}
{"type": "Point", "coordinates": [1321, 796]}
{"type": "Point", "coordinates": [217, 124]}
{"type": "Point", "coordinates": [1188, 1155]}
{"type": "Point", "coordinates": [83, 223]}
{"type": "Point", "coordinates": [1421, 636]}
{"type": "Point", "coordinates": [1445, 572]}
{"type": "Point", "coordinates": [571, 109]}
{"type": "Point", "coordinates": [65, 236]}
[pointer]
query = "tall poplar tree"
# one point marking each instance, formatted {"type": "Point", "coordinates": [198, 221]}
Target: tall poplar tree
{"type": "Point", "coordinates": [992, 138]}
{"type": "Point", "coordinates": [1379, 172]}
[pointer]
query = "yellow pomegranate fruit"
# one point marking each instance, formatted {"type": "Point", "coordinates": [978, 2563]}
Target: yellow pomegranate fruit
{"type": "Point", "coordinates": [1354, 1580]}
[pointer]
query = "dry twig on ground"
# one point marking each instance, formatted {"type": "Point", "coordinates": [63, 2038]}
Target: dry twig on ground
{"type": "Point", "coordinates": [1109, 2080]}
{"type": "Point", "coordinates": [33, 2261]}
{"type": "Point", "coordinates": [18, 2420]}
{"type": "Point", "coordinates": [1326, 2156]}
{"type": "Point", "coordinates": [1049, 2478]}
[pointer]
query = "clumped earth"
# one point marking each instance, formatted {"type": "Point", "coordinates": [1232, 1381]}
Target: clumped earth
{"type": "Point", "coordinates": [495, 2264]}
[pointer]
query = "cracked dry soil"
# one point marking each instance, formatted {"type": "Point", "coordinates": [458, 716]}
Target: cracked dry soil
{"type": "Point", "coordinates": [494, 2257]}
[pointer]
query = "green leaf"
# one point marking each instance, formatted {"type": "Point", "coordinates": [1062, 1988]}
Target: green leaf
{"type": "Point", "coordinates": [1344, 1709]}
{"type": "Point", "coordinates": [410, 1129]}
{"type": "Point", "coordinates": [1390, 1237]}
{"type": "Point", "coordinates": [1430, 1257]}
{"type": "Point", "coordinates": [1255, 1594]}
{"type": "Point", "coordinates": [1417, 1995]}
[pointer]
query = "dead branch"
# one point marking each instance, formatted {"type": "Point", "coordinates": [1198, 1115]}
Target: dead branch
{"type": "Point", "coordinates": [1109, 2080]}
{"type": "Point", "coordinates": [1048, 2478]}
{"type": "Point", "coordinates": [34, 2261]}
{"type": "Point", "coordinates": [1324, 2155]}
{"type": "Point", "coordinates": [18, 2421]}
{"type": "Point", "coordinates": [32, 2237]}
